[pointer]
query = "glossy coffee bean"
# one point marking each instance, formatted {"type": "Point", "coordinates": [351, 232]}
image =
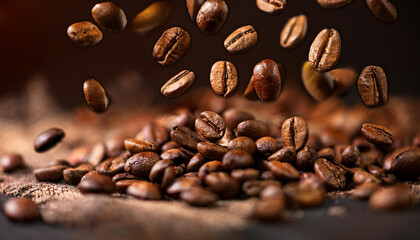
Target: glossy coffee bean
{"type": "Point", "coordinates": [209, 167]}
{"type": "Point", "coordinates": [134, 146]}
{"type": "Point", "coordinates": [144, 190]}
{"type": "Point", "coordinates": [304, 195]}
{"type": "Point", "coordinates": [73, 176]}
{"type": "Point", "coordinates": [155, 133]}
{"type": "Point", "coordinates": [382, 174]}
{"type": "Point", "coordinates": [267, 81]}
{"type": "Point", "coordinates": [178, 84]}
{"type": "Point", "coordinates": [158, 170]}
{"type": "Point", "coordinates": [271, 6]}
{"type": "Point", "coordinates": [122, 185]}
{"type": "Point", "coordinates": [241, 40]}
{"type": "Point", "coordinates": [305, 158]}
{"type": "Point", "coordinates": [283, 171]}
{"type": "Point", "coordinates": [193, 6]}
{"type": "Point", "coordinates": [185, 137]}
{"type": "Point", "coordinates": [198, 196]}
{"type": "Point", "coordinates": [48, 139]}
{"type": "Point", "coordinates": [221, 184]}
{"type": "Point", "coordinates": [210, 125]}
{"type": "Point", "coordinates": [361, 176]}
{"type": "Point", "coordinates": [327, 153]}
{"type": "Point", "coordinates": [266, 146]}
{"type": "Point", "coordinates": [171, 46]}
{"type": "Point", "coordinates": [177, 155]}
{"type": "Point", "coordinates": [377, 134]}
{"type": "Point", "coordinates": [269, 209]}
{"type": "Point", "coordinates": [384, 10]}
{"type": "Point", "coordinates": [223, 78]}
{"type": "Point", "coordinates": [169, 145]}
{"type": "Point", "coordinates": [93, 182]}
{"type": "Point", "coordinates": [111, 166]}
{"type": "Point", "coordinates": [235, 116]}
{"type": "Point", "coordinates": [333, 176]}
{"type": "Point", "coordinates": [392, 198]}
{"type": "Point", "coordinates": [343, 78]}
{"type": "Point", "coordinates": [295, 132]}
{"type": "Point", "coordinates": [109, 16]}
{"type": "Point", "coordinates": [151, 18]}
{"type": "Point", "coordinates": [350, 156]}
{"type": "Point", "coordinates": [84, 34]}
{"type": "Point", "coordinates": [243, 175]}
{"type": "Point", "coordinates": [235, 159]}
{"type": "Point", "coordinates": [21, 210]}
{"type": "Point", "coordinates": [272, 191]}
{"type": "Point", "coordinates": [294, 31]}
{"type": "Point", "coordinates": [140, 164]}
{"type": "Point", "coordinates": [212, 16]}
{"type": "Point", "coordinates": [50, 174]}
{"type": "Point", "coordinates": [253, 129]}
{"type": "Point", "coordinates": [331, 4]}
{"type": "Point", "coordinates": [11, 162]}
{"type": "Point", "coordinates": [286, 154]}
{"type": "Point", "coordinates": [325, 50]}
{"type": "Point", "coordinates": [253, 188]}
{"type": "Point", "coordinates": [365, 190]}
{"type": "Point", "coordinates": [319, 85]}
{"type": "Point", "coordinates": [373, 86]}
{"type": "Point", "coordinates": [95, 96]}
{"type": "Point", "coordinates": [243, 143]}
{"type": "Point", "coordinates": [179, 186]}
{"type": "Point", "coordinates": [195, 163]}
{"type": "Point", "coordinates": [211, 151]}
{"type": "Point", "coordinates": [404, 162]}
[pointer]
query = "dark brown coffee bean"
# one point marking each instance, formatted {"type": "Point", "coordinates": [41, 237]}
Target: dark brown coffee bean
{"type": "Point", "coordinates": [331, 4]}
{"type": "Point", "coordinates": [271, 6]}
{"type": "Point", "coordinates": [169, 176]}
{"type": "Point", "coordinates": [134, 146]}
{"type": "Point", "coordinates": [373, 86]}
{"type": "Point", "coordinates": [12, 161]}
{"type": "Point", "coordinates": [185, 137]}
{"type": "Point", "coordinates": [267, 81]}
{"type": "Point", "coordinates": [235, 116]}
{"type": "Point", "coordinates": [178, 84]}
{"type": "Point", "coordinates": [286, 154]}
{"type": "Point", "coordinates": [176, 154]}
{"type": "Point", "coordinates": [181, 185]}
{"type": "Point", "coordinates": [95, 96]}
{"type": "Point", "coordinates": [48, 139]}
{"type": "Point", "coordinates": [384, 10]}
{"type": "Point", "coordinates": [109, 16]}
{"type": "Point", "coordinates": [266, 146]}
{"type": "Point", "coordinates": [250, 92]}
{"type": "Point", "coordinates": [155, 133]}
{"type": "Point", "coordinates": [210, 125]}
{"type": "Point", "coordinates": [158, 169]}
{"type": "Point", "coordinates": [151, 18]}
{"type": "Point", "coordinates": [198, 196]}
{"type": "Point", "coordinates": [312, 180]}
{"type": "Point", "coordinates": [327, 153]}
{"type": "Point", "coordinates": [272, 191]}
{"type": "Point", "coordinates": [365, 190]}
{"type": "Point", "coordinates": [122, 185]}
{"type": "Point", "coordinates": [195, 163]}
{"type": "Point", "coordinates": [283, 171]}
{"type": "Point", "coordinates": [377, 134]}
{"type": "Point", "coordinates": [343, 78]}
{"type": "Point", "coordinates": [392, 198]}
{"type": "Point", "coordinates": [221, 184]}
{"type": "Point", "coordinates": [305, 158]}
{"type": "Point", "coordinates": [253, 188]}
{"type": "Point", "coordinates": [319, 85]}
{"type": "Point", "coordinates": [93, 182]}
{"type": "Point", "coordinates": [361, 176]}
{"type": "Point", "coordinates": [404, 162]}
{"type": "Point", "coordinates": [193, 6]}
{"type": "Point", "coordinates": [212, 16]}
{"type": "Point", "coordinates": [350, 156]}
{"type": "Point", "coordinates": [84, 34]}
{"type": "Point", "coordinates": [211, 151]}
{"type": "Point", "coordinates": [21, 210]}
{"type": "Point", "coordinates": [241, 40]}
{"type": "Point", "coordinates": [223, 78]}
{"type": "Point", "coordinates": [144, 190]}
{"type": "Point", "coordinates": [325, 50]}
{"type": "Point", "coordinates": [381, 174]}
{"type": "Point", "coordinates": [209, 167]}
{"type": "Point", "coordinates": [243, 175]}
{"type": "Point", "coordinates": [169, 145]}
{"type": "Point", "coordinates": [294, 132]}
{"type": "Point", "coordinates": [269, 209]}
{"type": "Point", "coordinates": [235, 159]}
{"type": "Point", "coordinates": [111, 166]}
{"type": "Point", "coordinates": [124, 176]}
{"type": "Point", "coordinates": [140, 164]}
{"type": "Point", "coordinates": [294, 31]}
{"type": "Point", "coordinates": [304, 195]}
{"type": "Point", "coordinates": [243, 143]}
{"type": "Point", "coordinates": [253, 129]}
{"type": "Point", "coordinates": [333, 176]}
{"type": "Point", "coordinates": [171, 46]}
{"type": "Point", "coordinates": [73, 176]}
{"type": "Point", "coordinates": [50, 174]}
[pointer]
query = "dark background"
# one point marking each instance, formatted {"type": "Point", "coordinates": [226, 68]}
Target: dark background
{"type": "Point", "coordinates": [33, 42]}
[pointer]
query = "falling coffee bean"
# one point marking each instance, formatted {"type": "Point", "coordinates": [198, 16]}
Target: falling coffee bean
{"type": "Point", "coordinates": [210, 125]}
{"type": "Point", "coordinates": [171, 46]}
{"type": "Point", "coordinates": [294, 31]}
{"type": "Point", "coordinates": [377, 134]}
{"type": "Point", "coordinates": [223, 78]}
{"type": "Point", "coordinates": [84, 34]}
{"type": "Point", "coordinates": [193, 6]}
{"type": "Point", "coordinates": [109, 16]}
{"type": "Point", "coordinates": [384, 10]}
{"type": "Point", "coordinates": [373, 86]}
{"type": "Point", "coordinates": [11, 162]}
{"type": "Point", "coordinates": [151, 18]}
{"type": "Point", "coordinates": [48, 139]}
{"type": "Point", "coordinates": [325, 50]}
{"type": "Point", "coordinates": [343, 78]}
{"type": "Point", "coordinates": [331, 4]}
{"type": "Point", "coordinates": [319, 85]}
{"type": "Point", "coordinates": [95, 95]}
{"type": "Point", "coordinates": [21, 210]}
{"type": "Point", "coordinates": [267, 82]}
{"type": "Point", "coordinates": [212, 16]}
{"type": "Point", "coordinates": [178, 84]}
{"type": "Point", "coordinates": [271, 6]}
{"type": "Point", "coordinates": [241, 40]}
{"type": "Point", "coordinates": [295, 132]}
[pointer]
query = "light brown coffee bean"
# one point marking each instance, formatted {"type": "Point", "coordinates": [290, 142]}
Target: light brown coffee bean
{"type": "Point", "coordinates": [294, 31]}
{"type": "Point", "coordinates": [122, 185]}
{"type": "Point", "coordinates": [109, 16]}
{"type": "Point", "coordinates": [95, 96]}
{"type": "Point", "coordinates": [377, 134]}
{"type": "Point", "coordinates": [253, 129]}
{"type": "Point", "coordinates": [373, 86]}
{"type": "Point", "coordinates": [223, 78]}
{"type": "Point", "coordinates": [171, 46]}
{"type": "Point", "coordinates": [271, 6]}
{"type": "Point", "coordinates": [365, 190]}
{"type": "Point", "coordinates": [343, 78]}
{"type": "Point", "coordinates": [144, 190]}
{"type": "Point", "coordinates": [319, 85]}
{"type": "Point", "coordinates": [267, 80]}
{"type": "Point", "coordinates": [404, 162]}
{"type": "Point", "coordinates": [178, 84]}
{"type": "Point", "coordinates": [361, 176]}
{"type": "Point", "coordinates": [392, 198]}
{"type": "Point", "coordinates": [21, 210]}
{"type": "Point", "coordinates": [384, 10]}
{"type": "Point", "coordinates": [84, 34]}
{"type": "Point", "coordinates": [295, 132]}
{"type": "Point", "coordinates": [250, 93]}
{"type": "Point", "coordinates": [325, 50]}
{"type": "Point", "coordinates": [241, 40]}
{"type": "Point", "coordinates": [151, 18]}
{"type": "Point", "coordinates": [134, 146]}
{"type": "Point", "coordinates": [333, 176]}
{"type": "Point", "coordinates": [283, 171]}
{"type": "Point", "coordinates": [193, 6]}
{"type": "Point", "coordinates": [11, 162]}
{"type": "Point", "coordinates": [210, 125]}
{"type": "Point", "coordinates": [212, 16]}
{"type": "Point", "coordinates": [332, 4]}
{"type": "Point", "coordinates": [235, 159]}
{"type": "Point", "coordinates": [243, 143]}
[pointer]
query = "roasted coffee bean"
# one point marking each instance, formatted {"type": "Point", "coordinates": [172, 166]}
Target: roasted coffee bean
{"type": "Point", "coordinates": [211, 150]}
{"type": "Point", "coordinates": [223, 78]}
{"type": "Point", "coordinates": [48, 139]}
{"type": "Point", "coordinates": [361, 176]}
{"type": "Point", "coordinates": [365, 190]}
{"type": "Point", "coordinates": [404, 162]}
{"type": "Point", "coordinates": [114, 146]}
{"type": "Point", "coordinates": [333, 176]}
{"type": "Point", "coordinates": [109, 16]}
{"type": "Point", "coordinates": [235, 159]}
{"type": "Point", "coordinates": [73, 176]}
{"type": "Point", "coordinates": [350, 156]}
{"type": "Point", "coordinates": [381, 174]}
{"type": "Point", "coordinates": [271, 6]}
{"type": "Point", "coordinates": [177, 155]}
{"type": "Point", "coordinates": [243, 175]}
{"type": "Point", "coordinates": [21, 210]}
{"type": "Point", "coordinates": [294, 31]}
{"type": "Point", "coordinates": [384, 10]}
{"type": "Point", "coordinates": [84, 34]}
{"type": "Point", "coordinates": [267, 81]}
{"type": "Point", "coordinates": [171, 46]}
{"type": "Point", "coordinates": [325, 50]}
{"type": "Point", "coordinates": [95, 96]}
{"type": "Point", "coordinates": [193, 6]}
{"type": "Point", "coordinates": [169, 176]}
{"type": "Point", "coordinates": [235, 116]}
{"type": "Point", "coordinates": [253, 188]}
{"type": "Point", "coordinates": [96, 154]}
{"type": "Point", "coordinates": [186, 138]}
{"type": "Point", "coordinates": [304, 195]}
{"type": "Point", "coordinates": [283, 171]}
{"type": "Point", "coordinates": [250, 93]}
{"type": "Point", "coordinates": [122, 185]}
{"type": "Point", "coordinates": [267, 175]}
{"type": "Point", "coordinates": [181, 185]}
{"type": "Point", "coordinates": [158, 170]}
{"type": "Point", "coordinates": [221, 184]}
{"type": "Point", "coordinates": [169, 145]}
{"type": "Point", "coordinates": [198, 196]}
{"type": "Point", "coordinates": [269, 209]}
{"type": "Point", "coordinates": [77, 156]}
{"type": "Point", "coordinates": [266, 146]}
{"type": "Point", "coordinates": [144, 190]}
{"type": "Point", "coordinates": [253, 129]}
{"type": "Point", "coordinates": [212, 16]}
{"type": "Point", "coordinates": [343, 78]}
{"type": "Point", "coordinates": [124, 176]}
{"type": "Point", "coordinates": [311, 180]}
{"type": "Point", "coordinates": [12, 161]}
{"type": "Point", "coordinates": [241, 40]}
{"type": "Point", "coordinates": [243, 143]}
{"type": "Point", "coordinates": [195, 163]}
{"type": "Point", "coordinates": [93, 182]}
{"type": "Point", "coordinates": [209, 167]}
{"type": "Point", "coordinates": [210, 125]}
{"type": "Point", "coordinates": [286, 154]}
{"type": "Point", "coordinates": [272, 191]}
{"type": "Point", "coordinates": [155, 133]}
{"type": "Point", "coordinates": [377, 134]}
{"type": "Point", "coordinates": [50, 174]}
{"type": "Point", "coordinates": [392, 198]}
{"type": "Point", "coordinates": [111, 166]}
{"type": "Point", "coordinates": [140, 164]}
{"type": "Point", "coordinates": [373, 86]}
{"type": "Point", "coordinates": [295, 132]}
{"type": "Point", "coordinates": [319, 85]}
{"type": "Point", "coordinates": [178, 84]}
{"type": "Point", "coordinates": [331, 4]}
{"type": "Point", "coordinates": [151, 18]}
{"type": "Point", "coordinates": [327, 153]}
{"type": "Point", "coordinates": [134, 146]}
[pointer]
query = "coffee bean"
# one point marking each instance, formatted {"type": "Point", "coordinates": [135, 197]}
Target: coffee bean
{"type": "Point", "coordinates": [193, 6]}
{"type": "Point", "coordinates": [84, 34]}
{"type": "Point", "coordinates": [169, 145]}
{"type": "Point", "coordinates": [223, 78]}
{"type": "Point", "coordinates": [73, 176]}
{"type": "Point", "coordinates": [304, 195]}
{"type": "Point", "coordinates": [305, 158]}
{"type": "Point", "coordinates": [283, 171]}
{"type": "Point", "coordinates": [386, 178]}
{"type": "Point", "coordinates": [178, 84]}
{"type": "Point", "coordinates": [12, 161]}
{"type": "Point", "coordinates": [343, 78]}
{"type": "Point", "coordinates": [111, 166]}
{"type": "Point", "coordinates": [235, 159]}
{"type": "Point", "coordinates": [21, 210]}
{"type": "Point", "coordinates": [124, 176]}
{"type": "Point", "coordinates": [158, 170]}
{"type": "Point", "coordinates": [373, 87]}
{"type": "Point", "coordinates": [294, 31]}
{"type": "Point", "coordinates": [212, 16]}
{"type": "Point", "coordinates": [140, 164]}
{"type": "Point", "coordinates": [50, 174]}
{"type": "Point", "coordinates": [384, 10]}
{"type": "Point", "coordinates": [198, 196]}
{"type": "Point", "coordinates": [271, 6]}
{"type": "Point", "coordinates": [144, 190]}
{"type": "Point", "coordinates": [377, 134]}
{"type": "Point", "coordinates": [295, 132]}
{"type": "Point", "coordinates": [243, 143]}
{"type": "Point", "coordinates": [185, 137]}
{"type": "Point", "coordinates": [122, 185]}
{"type": "Point", "coordinates": [269, 209]}
{"type": "Point", "coordinates": [333, 176]}
{"type": "Point", "coordinates": [169, 176]}
{"type": "Point", "coordinates": [209, 167]}
{"type": "Point", "coordinates": [331, 4]}
{"type": "Point", "coordinates": [325, 50]}
{"type": "Point", "coordinates": [266, 146]}
{"type": "Point", "coordinates": [319, 85]}
{"type": "Point", "coordinates": [365, 190]}
{"type": "Point", "coordinates": [235, 116]}
{"type": "Point", "coordinates": [221, 184]}
{"type": "Point", "coordinates": [241, 40]}
{"type": "Point", "coordinates": [350, 156]}
{"type": "Point", "coordinates": [114, 146]}
{"type": "Point", "coordinates": [48, 139]}
{"type": "Point", "coordinates": [155, 133]}
{"type": "Point", "coordinates": [404, 162]}
{"type": "Point", "coordinates": [272, 191]}
{"type": "Point", "coordinates": [171, 46]}
{"type": "Point", "coordinates": [93, 182]}
{"type": "Point", "coordinates": [286, 154]}
{"type": "Point", "coordinates": [195, 163]}
{"type": "Point", "coordinates": [253, 129]}
{"type": "Point", "coordinates": [135, 146]}
{"type": "Point", "coordinates": [250, 93]}
{"type": "Point", "coordinates": [177, 155]}
{"type": "Point", "coordinates": [211, 150]}
{"type": "Point", "coordinates": [253, 188]}
{"type": "Point", "coordinates": [328, 153]}
{"type": "Point", "coordinates": [210, 125]}
{"type": "Point", "coordinates": [109, 16]}
{"type": "Point", "coordinates": [180, 185]}
{"type": "Point", "coordinates": [243, 175]}
{"type": "Point", "coordinates": [361, 176]}
{"type": "Point", "coordinates": [95, 96]}
{"type": "Point", "coordinates": [392, 198]}
{"type": "Point", "coordinates": [96, 154]}
{"type": "Point", "coordinates": [312, 180]}
{"type": "Point", "coordinates": [267, 82]}
{"type": "Point", "coordinates": [151, 18]}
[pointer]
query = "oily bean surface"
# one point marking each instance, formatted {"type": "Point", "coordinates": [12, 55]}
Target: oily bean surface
{"type": "Point", "coordinates": [96, 183]}
{"type": "Point", "coordinates": [267, 81]}
{"type": "Point", "coordinates": [171, 46]}
{"type": "Point", "coordinates": [404, 162]}
{"type": "Point", "coordinates": [333, 176]}
{"type": "Point", "coordinates": [144, 190]}
{"type": "Point", "coordinates": [243, 143]}
{"type": "Point", "coordinates": [212, 15]}
{"type": "Point", "coordinates": [48, 139]}
{"type": "Point", "coordinates": [271, 6]}
{"type": "Point", "coordinates": [253, 129]}
{"type": "Point", "coordinates": [377, 134]}
{"type": "Point", "coordinates": [134, 146]}
{"type": "Point", "coordinates": [151, 18]}
{"type": "Point", "coordinates": [140, 164]}
{"type": "Point", "coordinates": [295, 132]}
{"type": "Point", "coordinates": [241, 40]}
{"type": "Point", "coordinates": [294, 31]}
{"type": "Point", "coordinates": [198, 196]}
{"type": "Point", "coordinates": [186, 138]}
{"type": "Point", "coordinates": [223, 78]}
{"type": "Point", "coordinates": [325, 50]}
{"type": "Point", "coordinates": [21, 210]}
{"type": "Point", "coordinates": [109, 16]}
{"type": "Point", "coordinates": [286, 154]}
{"type": "Point", "coordinates": [158, 170]}
{"type": "Point", "coordinates": [84, 34]}
{"type": "Point", "coordinates": [305, 158]}
{"type": "Point", "coordinates": [384, 10]}
{"type": "Point", "coordinates": [11, 162]}
{"type": "Point", "coordinates": [210, 125]}
{"type": "Point", "coordinates": [211, 150]}
{"type": "Point", "coordinates": [178, 84]}
{"type": "Point", "coordinates": [235, 159]}
{"type": "Point", "coordinates": [373, 86]}
{"type": "Point", "coordinates": [283, 171]}
{"type": "Point", "coordinates": [95, 95]}
{"type": "Point", "coordinates": [50, 174]}
{"type": "Point", "coordinates": [331, 4]}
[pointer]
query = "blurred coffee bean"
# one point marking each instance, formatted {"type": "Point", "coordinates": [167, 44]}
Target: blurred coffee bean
{"type": "Point", "coordinates": [243, 175]}
{"type": "Point", "coordinates": [140, 164]}
{"type": "Point", "coordinates": [111, 166]}
{"type": "Point", "coordinates": [11, 162]}
{"type": "Point", "coordinates": [178, 84]}
{"type": "Point", "coordinates": [48, 139]}
{"type": "Point", "coordinates": [96, 183]}
{"type": "Point", "coordinates": [95, 96]}
{"type": "Point", "coordinates": [221, 184]}
{"type": "Point", "coordinates": [186, 138]}
{"type": "Point", "coordinates": [404, 162]}
{"type": "Point", "coordinates": [243, 143]}
{"type": "Point", "coordinates": [155, 133]}
{"type": "Point", "coordinates": [169, 145]}
{"type": "Point", "coordinates": [235, 116]}
{"type": "Point", "coordinates": [286, 154]}
{"type": "Point", "coordinates": [250, 93]}
{"type": "Point", "coordinates": [198, 196]}
{"type": "Point", "coordinates": [283, 171]}
{"type": "Point", "coordinates": [50, 174]}
{"type": "Point", "coordinates": [343, 78]}
{"type": "Point", "coordinates": [177, 155]}
{"type": "Point", "coordinates": [122, 185]}
{"type": "Point", "coordinates": [241, 40]}
{"type": "Point", "coordinates": [304, 195]}
{"type": "Point", "coordinates": [171, 46]}
{"type": "Point", "coordinates": [135, 146]}
{"type": "Point", "coordinates": [392, 198]}
{"type": "Point", "coordinates": [266, 146]}
{"type": "Point", "coordinates": [151, 18]}
{"type": "Point", "coordinates": [180, 185]}
{"type": "Point", "coordinates": [223, 78]}
{"type": "Point", "coordinates": [21, 210]}
{"type": "Point", "coordinates": [365, 190]}
{"type": "Point", "coordinates": [109, 16]}
{"type": "Point", "coordinates": [333, 176]}
{"type": "Point", "coordinates": [373, 86]}
{"type": "Point", "coordinates": [269, 209]}
{"type": "Point", "coordinates": [235, 159]}
{"type": "Point", "coordinates": [377, 134]}
{"type": "Point", "coordinates": [253, 188]}
{"type": "Point", "coordinates": [209, 167]}
{"type": "Point", "coordinates": [327, 153]}
{"type": "Point", "coordinates": [350, 156]}
{"type": "Point", "coordinates": [271, 6]}
{"type": "Point", "coordinates": [124, 176]}
{"type": "Point", "coordinates": [158, 170]}
{"type": "Point", "coordinates": [73, 176]}
{"type": "Point", "coordinates": [272, 191]}
{"type": "Point", "coordinates": [319, 85]}
{"type": "Point", "coordinates": [325, 50]}
{"type": "Point", "coordinates": [212, 16]}
{"type": "Point", "coordinates": [384, 10]}
{"type": "Point", "coordinates": [294, 31]}
{"type": "Point", "coordinates": [210, 125]}
{"type": "Point", "coordinates": [211, 151]}
{"type": "Point", "coordinates": [193, 6]}
{"type": "Point", "coordinates": [144, 190]}
{"type": "Point", "coordinates": [331, 4]}
{"type": "Point", "coordinates": [361, 176]}
{"type": "Point", "coordinates": [267, 81]}
{"type": "Point", "coordinates": [84, 34]}
{"type": "Point", "coordinates": [253, 129]}
{"type": "Point", "coordinates": [294, 132]}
